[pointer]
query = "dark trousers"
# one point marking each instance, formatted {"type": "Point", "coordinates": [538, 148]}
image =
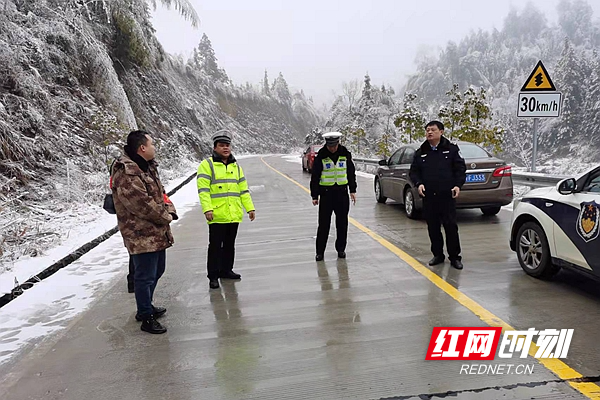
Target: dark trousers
{"type": "Point", "coordinates": [149, 267]}
{"type": "Point", "coordinates": [131, 274]}
{"type": "Point", "coordinates": [221, 249]}
{"type": "Point", "coordinates": [440, 211]}
{"type": "Point", "coordinates": [338, 201]}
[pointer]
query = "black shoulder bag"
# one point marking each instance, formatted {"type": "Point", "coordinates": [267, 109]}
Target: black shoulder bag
{"type": "Point", "coordinates": [109, 203]}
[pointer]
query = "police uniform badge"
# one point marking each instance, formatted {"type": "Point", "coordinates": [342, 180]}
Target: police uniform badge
{"type": "Point", "coordinates": [588, 220]}
{"type": "Point", "coordinates": [327, 165]}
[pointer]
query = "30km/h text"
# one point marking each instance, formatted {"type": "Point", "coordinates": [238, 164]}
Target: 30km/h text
{"type": "Point", "coordinates": [539, 104]}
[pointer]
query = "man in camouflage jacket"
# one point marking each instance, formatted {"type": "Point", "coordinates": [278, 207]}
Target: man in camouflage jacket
{"type": "Point", "coordinates": [144, 213]}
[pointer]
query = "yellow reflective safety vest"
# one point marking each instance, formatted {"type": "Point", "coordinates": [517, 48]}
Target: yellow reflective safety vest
{"type": "Point", "coordinates": [223, 189]}
{"type": "Point", "coordinates": [334, 173]}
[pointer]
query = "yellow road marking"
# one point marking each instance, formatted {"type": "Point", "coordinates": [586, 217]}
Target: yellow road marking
{"type": "Point", "coordinates": [557, 367]}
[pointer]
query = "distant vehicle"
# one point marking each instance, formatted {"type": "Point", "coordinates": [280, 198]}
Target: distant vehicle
{"type": "Point", "coordinates": [558, 227]}
{"type": "Point", "coordinates": [488, 186]}
{"type": "Point", "coordinates": [308, 157]}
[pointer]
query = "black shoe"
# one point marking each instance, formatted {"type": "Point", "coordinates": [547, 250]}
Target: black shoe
{"type": "Point", "coordinates": [342, 254]}
{"type": "Point", "coordinates": [214, 284]}
{"type": "Point", "coordinates": [319, 257]}
{"type": "Point", "coordinates": [231, 275]}
{"type": "Point", "coordinates": [457, 264]}
{"type": "Point", "coordinates": [436, 260]}
{"type": "Point", "coordinates": [151, 325]}
{"type": "Point", "coordinates": [158, 312]}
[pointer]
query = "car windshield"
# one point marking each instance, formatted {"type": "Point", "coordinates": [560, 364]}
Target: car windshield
{"type": "Point", "coordinates": [473, 151]}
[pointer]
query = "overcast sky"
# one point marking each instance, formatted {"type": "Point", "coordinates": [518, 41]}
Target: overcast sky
{"type": "Point", "coordinates": [318, 44]}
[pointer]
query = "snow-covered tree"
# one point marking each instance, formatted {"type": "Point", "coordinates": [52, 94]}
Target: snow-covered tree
{"type": "Point", "coordinates": [592, 100]}
{"type": "Point", "coordinates": [207, 61]}
{"type": "Point", "coordinates": [451, 114]}
{"type": "Point", "coordinates": [281, 90]}
{"type": "Point", "coordinates": [366, 99]}
{"type": "Point", "coordinates": [411, 120]}
{"type": "Point", "coordinates": [519, 139]}
{"type": "Point", "coordinates": [568, 79]}
{"type": "Point", "coordinates": [366, 114]}
{"type": "Point", "coordinates": [101, 10]}
{"type": "Point", "coordinates": [338, 115]}
{"type": "Point", "coordinates": [266, 90]}
{"type": "Point", "coordinates": [575, 19]}
{"type": "Point", "coordinates": [314, 136]}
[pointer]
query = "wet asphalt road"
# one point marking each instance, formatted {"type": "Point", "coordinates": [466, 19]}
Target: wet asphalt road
{"type": "Point", "coordinates": [296, 329]}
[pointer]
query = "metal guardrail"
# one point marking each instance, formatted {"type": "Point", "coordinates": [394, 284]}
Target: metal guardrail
{"type": "Point", "coordinates": [531, 179]}
{"type": "Point", "coordinates": [370, 161]}
{"type": "Point", "coordinates": [18, 290]}
{"type": "Point", "coordinates": [536, 180]}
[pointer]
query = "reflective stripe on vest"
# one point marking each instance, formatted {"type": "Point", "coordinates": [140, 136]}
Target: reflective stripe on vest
{"type": "Point", "coordinates": [214, 182]}
{"type": "Point", "coordinates": [334, 173]}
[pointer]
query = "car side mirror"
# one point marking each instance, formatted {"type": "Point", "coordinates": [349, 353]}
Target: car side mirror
{"type": "Point", "coordinates": [567, 186]}
{"type": "Point", "coordinates": [383, 162]}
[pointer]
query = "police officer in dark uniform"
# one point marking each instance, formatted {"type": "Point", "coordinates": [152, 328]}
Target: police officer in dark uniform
{"type": "Point", "coordinates": [439, 172]}
{"type": "Point", "coordinates": [333, 174]}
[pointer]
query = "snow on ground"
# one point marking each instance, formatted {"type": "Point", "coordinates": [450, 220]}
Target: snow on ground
{"type": "Point", "coordinates": [566, 167]}
{"type": "Point", "coordinates": [293, 158]}
{"type": "Point", "coordinates": [77, 226]}
{"type": "Point", "coordinates": [74, 227]}
{"type": "Point", "coordinates": [50, 304]}
{"type": "Point", "coordinates": [365, 174]}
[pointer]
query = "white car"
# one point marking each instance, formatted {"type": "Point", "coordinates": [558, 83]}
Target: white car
{"type": "Point", "coordinates": [558, 227]}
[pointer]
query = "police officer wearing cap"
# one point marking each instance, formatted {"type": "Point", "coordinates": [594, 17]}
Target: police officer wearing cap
{"type": "Point", "coordinates": [439, 172]}
{"type": "Point", "coordinates": [333, 174]}
{"type": "Point", "coordinates": [223, 192]}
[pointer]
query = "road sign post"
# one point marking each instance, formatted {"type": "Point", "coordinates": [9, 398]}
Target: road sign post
{"type": "Point", "coordinates": [538, 99]}
{"type": "Point", "coordinates": [535, 141]}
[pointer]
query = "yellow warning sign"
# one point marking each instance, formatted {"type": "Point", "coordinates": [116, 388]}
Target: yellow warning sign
{"type": "Point", "coordinates": [539, 80]}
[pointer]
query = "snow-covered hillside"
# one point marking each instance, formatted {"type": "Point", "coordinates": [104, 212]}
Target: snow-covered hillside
{"type": "Point", "coordinates": [76, 77]}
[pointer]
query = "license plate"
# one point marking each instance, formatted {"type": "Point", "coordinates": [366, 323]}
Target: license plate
{"type": "Point", "coordinates": [475, 178]}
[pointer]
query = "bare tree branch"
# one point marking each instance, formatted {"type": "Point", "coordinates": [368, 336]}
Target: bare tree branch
{"type": "Point", "coordinates": [351, 90]}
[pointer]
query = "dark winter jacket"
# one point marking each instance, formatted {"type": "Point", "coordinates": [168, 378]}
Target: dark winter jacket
{"type": "Point", "coordinates": [438, 170]}
{"type": "Point", "coordinates": [315, 189]}
{"type": "Point", "coordinates": [143, 211]}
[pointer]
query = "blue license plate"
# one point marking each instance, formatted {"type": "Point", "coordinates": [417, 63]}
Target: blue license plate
{"type": "Point", "coordinates": [475, 178]}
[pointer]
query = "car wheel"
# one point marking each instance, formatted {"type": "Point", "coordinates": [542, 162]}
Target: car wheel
{"type": "Point", "coordinates": [409, 204]}
{"type": "Point", "coordinates": [490, 210]}
{"type": "Point", "coordinates": [533, 251]}
{"type": "Point", "coordinates": [379, 193]}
